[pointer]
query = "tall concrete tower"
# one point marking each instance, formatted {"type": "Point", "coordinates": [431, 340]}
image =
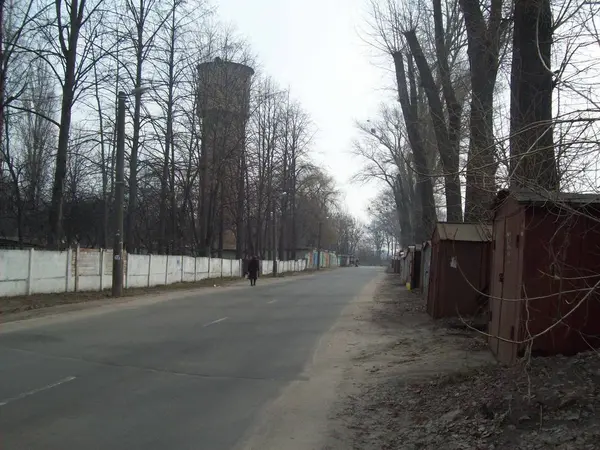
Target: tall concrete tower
{"type": "Point", "coordinates": [224, 108]}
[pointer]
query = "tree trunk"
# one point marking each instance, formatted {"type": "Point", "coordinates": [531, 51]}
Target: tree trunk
{"type": "Point", "coordinates": [172, 235]}
{"type": "Point", "coordinates": [239, 216]}
{"type": "Point", "coordinates": [221, 220]}
{"type": "Point", "coordinates": [168, 177]}
{"type": "Point", "coordinates": [403, 206]}
{"type": "Point", "coordinates": [2, 77]}
{"type": "Point", "coordinates": [203, 197]}
{"type": "Point", "coordinates": [424, 188]}
{"type": "Point", "coordinates": [162, 241]}
{"type": "Point", "coordinates": [483, 48]}
{"type": "Point", "coordinates": [68, 94]}
{"type": "Point", "coordinates": [448, 153]}
{"type": "Point", "coordinates": [532, 158]}
{"type": "Point", "coordinates": [174, 229]}
{"type": "Point", "coordinates": [130, 238]}
{"type": "Point", "coordinates": [453, 106]}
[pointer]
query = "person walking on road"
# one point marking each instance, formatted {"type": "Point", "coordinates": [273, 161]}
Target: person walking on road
{"type": "Point", "coordinates": [253, 270]}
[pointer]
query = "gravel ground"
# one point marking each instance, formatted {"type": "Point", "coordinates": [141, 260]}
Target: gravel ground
{"type": "Point", "coordinates": [426, 385]}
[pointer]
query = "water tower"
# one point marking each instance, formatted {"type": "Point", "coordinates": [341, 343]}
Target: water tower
{"type": "Point", "coordinates": [224, 87]}
{"type": "Point", "coordinates": [224, 108]}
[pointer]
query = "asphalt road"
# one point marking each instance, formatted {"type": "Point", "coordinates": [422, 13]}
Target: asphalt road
{"type": "Point", "coordinates": [190, 373]}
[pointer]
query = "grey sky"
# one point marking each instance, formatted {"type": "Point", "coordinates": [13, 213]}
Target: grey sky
{"type": "Point", "coordinates": [314, 47]}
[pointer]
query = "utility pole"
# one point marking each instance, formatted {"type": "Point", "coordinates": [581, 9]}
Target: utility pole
{"type": "Point", "coordinates": [117, 275]}
{"type": "Point", "coordinates": [117, 270]}
{"type": "Point", "coordinates": [274, 241]}
{"type": "Point", "coordinates": [319, 245]}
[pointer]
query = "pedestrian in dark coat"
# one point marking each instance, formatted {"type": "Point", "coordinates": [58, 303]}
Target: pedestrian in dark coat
{"type": "Point", "coordinates": [253, 268]}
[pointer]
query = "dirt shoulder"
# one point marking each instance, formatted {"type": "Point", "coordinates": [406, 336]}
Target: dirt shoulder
{"type": "Point", "coordinates": [417, 384]}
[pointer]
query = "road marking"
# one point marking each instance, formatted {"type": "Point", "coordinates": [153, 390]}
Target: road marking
{"type": "Point", "coordinates": [35, 391]}
{"type": "Point", "coordinates": [216, 321]}
{"type": "Point", "coordinates": [272, 301]}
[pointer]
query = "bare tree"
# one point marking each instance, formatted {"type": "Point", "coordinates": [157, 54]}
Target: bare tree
{"type": "Point", "coordinates": [18, 19]}
{"type": "Point", "coordinates": [424, 187]}
{"type": "Point", "coordinates": [143, 22]}
{"type": "Point", "coordinates": [388, 25]}
{"type": "Point", "coordinates": [485, 38]}
{"type": "Point", "coordinates": [447, 134]}
{"type": "Point", "coordinates": [533, 162]}
{"type": "Point", "coordinates": [388, 158]}
{"type": "Point", "coordinates": [37, 135]}
{"type": "Point", "coordinates": [296, 138]}
{"type": "Point", "coordinates": [74, 64]}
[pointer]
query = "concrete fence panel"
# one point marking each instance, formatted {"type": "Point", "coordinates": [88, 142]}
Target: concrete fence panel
{"type": "Point", "coordinates": [52, 272]}
{"type": "Point", "coordinates": [24, 272]}
{"type": "Point", "coordinates": [138, 271]}
{"type": "Point", "coordinates": [267, 267]}
{"type": "Point", "coordinates": [14, 272]}
{"type": "Point", "coordinates": [88, 269]}
{"type": "Point", "coordinates": [215, 268]}
{"type": "Point", "coordinates": [189, 269]}
{"type": "Point", "coordinates": [173, 274]}
{"type": "Point", "coordinates": [236, 268]}
{"type": "Point", "coordinates": [226, 267]}
{"type": "Point", "coordinates": [107, 256]}
{"type": "Point", "coordinates": [158, 264]}
{"type": "Point", "coordinates": [202, 265]}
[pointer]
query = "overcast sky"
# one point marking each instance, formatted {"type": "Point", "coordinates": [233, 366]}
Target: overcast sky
{"type": "Point", "coordinates": [315, 48]}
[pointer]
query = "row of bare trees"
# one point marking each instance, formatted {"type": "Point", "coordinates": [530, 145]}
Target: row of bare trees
{"type": "Point", "coordinates": [447, 147]}
{"type": "Point", "coordinates": [63, 63]}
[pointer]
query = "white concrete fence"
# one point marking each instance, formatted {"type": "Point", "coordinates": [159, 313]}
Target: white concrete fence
{"type": "Point", "coordinates": [26, 272]}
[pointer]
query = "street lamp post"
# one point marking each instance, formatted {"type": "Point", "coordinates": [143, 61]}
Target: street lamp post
{"type": "Point", "coordinates": [117, 269]}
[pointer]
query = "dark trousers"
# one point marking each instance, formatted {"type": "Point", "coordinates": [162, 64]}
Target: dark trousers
{"type": "Point", "coordinates": [252, 277]}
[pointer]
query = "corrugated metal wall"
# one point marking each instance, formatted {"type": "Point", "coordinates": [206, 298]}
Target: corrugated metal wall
{"type": "Point", "coordinates": [545, 270]}
{"type": "Point", "coordinates": [459, 271]}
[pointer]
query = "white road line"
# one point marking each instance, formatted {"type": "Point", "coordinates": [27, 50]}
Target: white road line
{"type": "Point", "coordinates": [216, 321]}
{"type": "Point", "coordinates": [35, 391]}
{"type": "Point", "coordinates": [272, 301]}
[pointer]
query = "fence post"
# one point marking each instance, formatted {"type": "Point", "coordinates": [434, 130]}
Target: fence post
{"type": "Point", "coordinates": [68, 274]}
{"type": "Point", "coordinates": [195, 268]}
{"type": "Point", "coordinates": [77, 268]}
{"type": "Point", "coordinates": [182, 260]}
{"type": "Point", "coordinates": [208, 276]}
{"type": "Point", "coordinates": [30, 271]}
{"type": "Point", "coordinates": [149, 269]}
{"type": "Point", "coordinates": [167, 271]}
{"type": "Point", "coordinates": [221, 267]}
{"type": "Point", "coordinates": [101, 269]}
